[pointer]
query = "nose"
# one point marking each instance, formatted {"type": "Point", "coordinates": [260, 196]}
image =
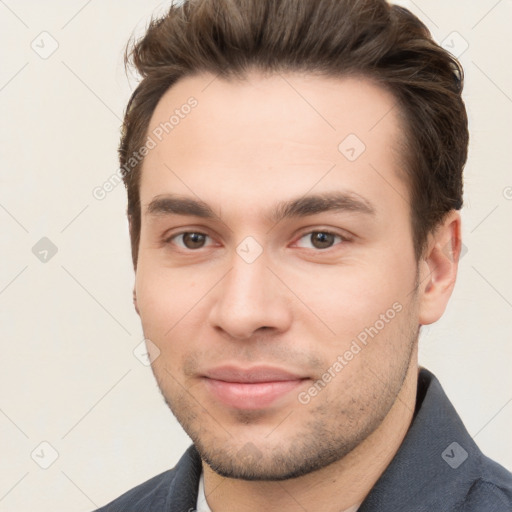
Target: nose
{"type": "Point", "coordinates": [250, 298]}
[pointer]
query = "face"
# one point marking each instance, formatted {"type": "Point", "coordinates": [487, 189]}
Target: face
{"type": "Point", "coordinates": [276, 272]}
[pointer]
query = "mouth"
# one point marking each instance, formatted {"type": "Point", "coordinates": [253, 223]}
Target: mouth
{"type": "Point", "coordinates": [250, 389]}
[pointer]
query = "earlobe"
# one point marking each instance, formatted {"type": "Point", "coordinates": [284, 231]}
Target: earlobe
{"type": "Point", "coordinates": [438, 269]}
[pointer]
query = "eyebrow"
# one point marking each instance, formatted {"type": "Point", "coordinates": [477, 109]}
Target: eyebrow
{"type": "Point", "coordinates": [304, 206]}
{"type": "Point", "coordinates": [320, 203]}
{"type": "Point", "coordinates": [171, 204]}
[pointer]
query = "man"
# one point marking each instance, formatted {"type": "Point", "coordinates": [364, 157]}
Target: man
{"type": "Point", "coordinates": [294, 175]}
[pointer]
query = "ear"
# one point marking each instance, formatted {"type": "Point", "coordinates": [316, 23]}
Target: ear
{"type": "Point", "coordinates": [135, 301]}
{"type": "Point", "coordinates": [130, 226]}
{"type": "Point", "coordinates": [134, 249]}
{"type": "Point", "coordinates": [438, 268]}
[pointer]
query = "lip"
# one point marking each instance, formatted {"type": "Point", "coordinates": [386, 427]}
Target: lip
{"type": "Point", "coordinates": [252, 375]}
{"type": "Point", "coordinates": [250, 388]}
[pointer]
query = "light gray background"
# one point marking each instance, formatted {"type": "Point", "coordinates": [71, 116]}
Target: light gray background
{"type": "Point", "coordinates": [68, 374]}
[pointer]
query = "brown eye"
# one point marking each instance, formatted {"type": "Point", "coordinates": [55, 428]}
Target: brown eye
{"type": "Point", "coordinates": [191, 240]}
{"type": "Point", "coordinates": [322, 240]}
{"type": "Point", "coordinates": [319, 240]}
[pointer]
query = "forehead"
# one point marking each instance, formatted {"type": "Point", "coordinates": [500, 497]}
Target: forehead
{"type": "Point", "coordinates": [273, 135]}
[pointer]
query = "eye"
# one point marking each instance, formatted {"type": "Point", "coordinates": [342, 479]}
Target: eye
{"type": "Point", "coordinates": [319, 240]}
{"type": "Point", "coordinates": [189, 240]}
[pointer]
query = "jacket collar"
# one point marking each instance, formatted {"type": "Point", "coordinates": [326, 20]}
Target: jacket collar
{"type": "Point", "coordinates": [436, 463]}
{"type": "Point", "coordinates": [436, 458]}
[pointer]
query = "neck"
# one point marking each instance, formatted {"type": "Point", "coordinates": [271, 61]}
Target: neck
{"type": "Point", "coordinates": [349, 479]}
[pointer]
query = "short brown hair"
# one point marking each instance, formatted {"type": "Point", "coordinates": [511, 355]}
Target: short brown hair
{"type": "Point", "coordinates": [369, 38]}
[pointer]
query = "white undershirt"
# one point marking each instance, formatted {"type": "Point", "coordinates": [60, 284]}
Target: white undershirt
{"type": "Point", "coordinates": [202, 504]}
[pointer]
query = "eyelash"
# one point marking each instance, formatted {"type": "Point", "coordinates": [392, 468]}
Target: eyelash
{"type": "Point", "coordinates": [170, 239]}
{"type": "Point", "coordinates": [343, 238]}
{"type": "Point", "coordinates": [325, 232]}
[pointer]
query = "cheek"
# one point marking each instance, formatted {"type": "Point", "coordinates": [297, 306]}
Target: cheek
{"type": "Point", "coordinates": [164, 297]}
{"type": "Point", "coordinates": [353, 299]}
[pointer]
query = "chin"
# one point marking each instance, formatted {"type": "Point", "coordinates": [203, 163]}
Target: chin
{"type": "Point", "coordinates": [274, 462]}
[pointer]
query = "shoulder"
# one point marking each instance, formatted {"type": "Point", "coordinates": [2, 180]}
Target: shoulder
{"type": "Point", "coordinates": [149, 495]}
{"type": "Point", "coordinates": [175, 488]}
{"type": "Point", "coordinates": [491, 491]}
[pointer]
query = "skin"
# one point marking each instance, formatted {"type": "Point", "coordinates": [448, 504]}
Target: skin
{"type": "Point", "coordinates": [247, 146]}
